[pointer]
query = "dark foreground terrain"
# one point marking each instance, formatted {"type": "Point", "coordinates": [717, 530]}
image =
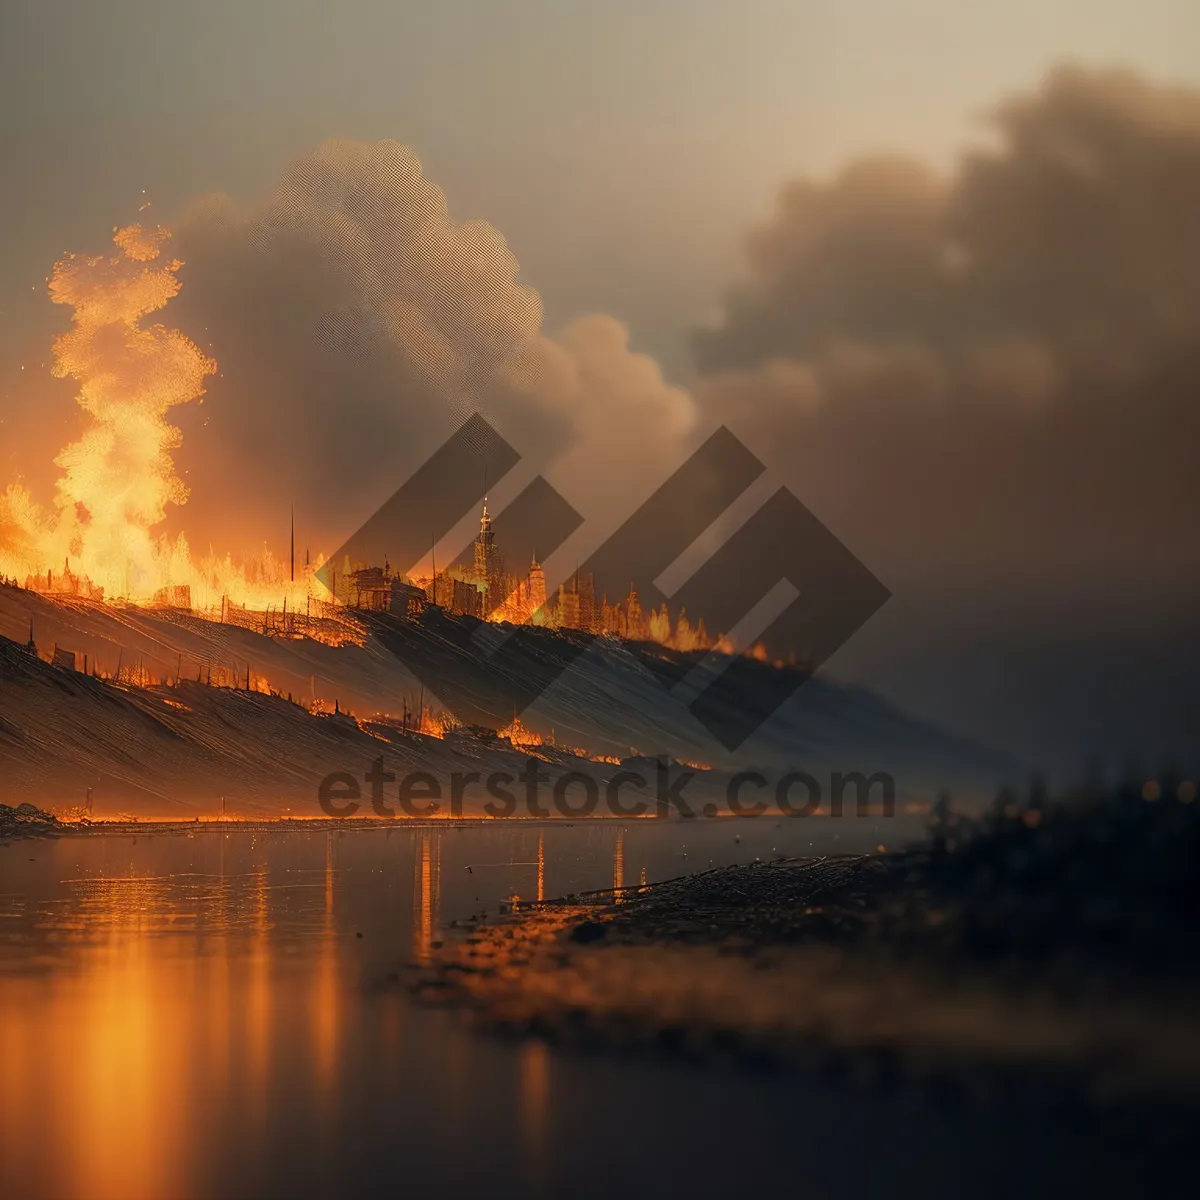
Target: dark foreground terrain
{"type": "Point", "coordinates": [1046, 954]}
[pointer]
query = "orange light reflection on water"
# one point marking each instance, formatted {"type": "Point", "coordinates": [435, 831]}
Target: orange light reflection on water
{"type": "Point", "coordinates": [159, 1012]}
{"type": "Point", "coordinates": [427, 869]}
{"type": "Point", "coordinates": [119, 1032]}
{"type": "Point", "coordinates": [533, 1109]}
{"type": "Point", "coordinates": [325, 985]}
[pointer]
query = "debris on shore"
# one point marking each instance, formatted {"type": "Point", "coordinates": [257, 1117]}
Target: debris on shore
{"type": "Point", "coordinates": [26, 821]}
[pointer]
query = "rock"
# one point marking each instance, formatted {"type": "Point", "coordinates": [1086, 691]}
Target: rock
{"type": "Point", "coordinates": [588, 931]}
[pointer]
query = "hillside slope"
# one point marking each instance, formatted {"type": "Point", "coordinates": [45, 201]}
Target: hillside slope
{"type": "Point", "coordinates": [179, 740]}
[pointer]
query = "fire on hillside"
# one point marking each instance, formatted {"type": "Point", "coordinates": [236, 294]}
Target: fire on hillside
{"type": "Point", "coordinates": [100, 540]}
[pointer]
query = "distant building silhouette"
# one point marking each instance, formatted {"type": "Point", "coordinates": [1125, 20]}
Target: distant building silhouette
{"type": "Point", "coordinates": [480, 587]}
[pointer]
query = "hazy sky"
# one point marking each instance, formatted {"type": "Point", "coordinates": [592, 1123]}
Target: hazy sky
{"type": "Point", "coordinates": [621, 147]}
{"type": "Point", "coordinates": [626, 150]}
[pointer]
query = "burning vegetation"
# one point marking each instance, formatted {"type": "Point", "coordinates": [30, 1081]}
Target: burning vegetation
{"type": "Point", "coordinates": [100, 539]}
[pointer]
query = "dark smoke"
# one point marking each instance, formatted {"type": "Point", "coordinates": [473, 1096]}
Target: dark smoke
{"type": "Point", "coordinates": [989, 386]}
{"type": "Point", "coordinates": [356, 324]}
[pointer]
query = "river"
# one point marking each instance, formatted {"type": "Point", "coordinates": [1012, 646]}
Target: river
{"type": "Point", "coordinates": [216, 1014]}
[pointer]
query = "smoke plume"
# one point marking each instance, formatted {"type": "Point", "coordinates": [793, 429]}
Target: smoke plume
{"type": "Point", "coordinates": [987, 384]}
{"type": "Point", "coordinates": [358, 323]}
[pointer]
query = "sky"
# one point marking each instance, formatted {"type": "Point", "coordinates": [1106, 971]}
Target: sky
{"type": "Point", "coordinates": [622, 148]}
{"type": "Point", "coordinates": [687, 222]}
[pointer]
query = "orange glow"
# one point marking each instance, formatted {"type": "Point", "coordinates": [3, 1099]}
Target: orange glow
{"type": "Point", "coordinates": [426, 887]}
{"type": "Point", "coordinates": [123, 1056]}
{"type": "Point", "coordinates": [435, 724]}
{"type": "Point", "coordinates": [325, 986]}
{"type": "Point", "coordinates": [101, 540]}
{"type": "Point", "coordinates": [521, 735]}
{"type": "Point", "coordinates": [258, 1005]}
{"type": "Point", "coordinates": [534, 1100]}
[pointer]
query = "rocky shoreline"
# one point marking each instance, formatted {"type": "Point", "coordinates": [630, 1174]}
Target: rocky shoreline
{"type": "Point", "coordinates": [26, 821]}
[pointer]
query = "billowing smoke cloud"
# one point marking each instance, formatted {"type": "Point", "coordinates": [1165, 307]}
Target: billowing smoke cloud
{"type": "Point", "coordinates": [986, 383]}
{"type": "Point", "coordinates": [357, 324]}
{"type": "Point", "coordinates": [989, 384]}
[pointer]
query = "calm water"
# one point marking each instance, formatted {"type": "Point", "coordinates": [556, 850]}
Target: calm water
{"type": "Point", "coordinates": [197, 1016]}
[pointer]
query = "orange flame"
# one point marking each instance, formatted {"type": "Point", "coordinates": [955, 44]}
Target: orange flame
{"type": "Point", "coordinates": [99, 540]}
{"type": "Point", "coordinates": [521, 735]}
{"type": "Point", "coordinates": [119, 477]}
{"type": "Point", "coordinates": [435, 724]}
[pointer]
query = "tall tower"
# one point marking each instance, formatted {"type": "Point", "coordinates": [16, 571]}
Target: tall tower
{"type": "Point", "coordinates": [484, 548]}
{"type": "Point", "coordinates": [537, 586]}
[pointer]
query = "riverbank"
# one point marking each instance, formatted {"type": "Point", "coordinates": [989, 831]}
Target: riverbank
{"type": "Point", "coordinates": [26, 821]}
{"type": "Point", "coordinates": [1048, 949]}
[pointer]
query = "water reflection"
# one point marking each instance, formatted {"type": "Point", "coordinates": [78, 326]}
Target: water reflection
{"type": "Point", "coordinates": [533, 1100]}
{"type": "Point", "coordinates": [116, 1035]}
{"type": "Point", "coordinates": [325, 985]}
{"type": "Point", "coordinates": [207, 1014]}
{"type": "Point", "coordinates": [426, 893]}
{"type": "Point", "coordinates": [258, 1004]}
